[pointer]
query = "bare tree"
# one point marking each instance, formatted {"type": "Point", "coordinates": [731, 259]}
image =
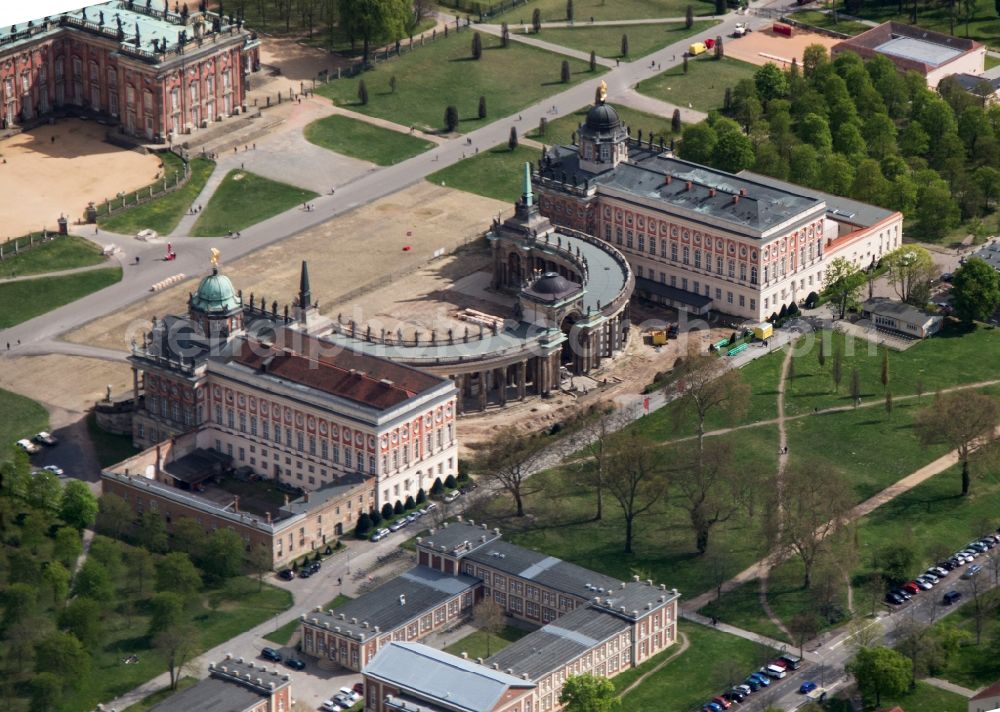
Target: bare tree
{"type": "Point", "coordinates": [489, 617]}
{"type": "Point", "coordinates": [803, 626]}
{"type": "Point", "coordinates": [177, 646]}
{"type": "Point", "coordinates": [809, 510]}
{"type": "Point", "coordinates": [509, 459]}
{"type": "Point", "coordinates": [633, 479]}
{"type": "Point", "coordinates": [864, 633]}
{"type": "Point", "coordinates": [259, 561]}
{"type": "Point", "coordinates": [962, 420]}
{"type": "Point", "coordinates": [598, 433]}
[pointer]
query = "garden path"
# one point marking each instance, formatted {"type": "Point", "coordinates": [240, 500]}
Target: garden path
{"type": "Point", "coordinates": [685, 643]}
{"type": "Point", "coordinates": [950, 687]}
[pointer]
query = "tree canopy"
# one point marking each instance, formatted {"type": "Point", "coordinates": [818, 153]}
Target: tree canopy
{"type": "Point", "coordinates": [975, 292]}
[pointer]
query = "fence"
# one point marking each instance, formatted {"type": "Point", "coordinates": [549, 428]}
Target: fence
{"type": "Point", "coordinates": [483, 9]}
{"type": "Point", "coordinates": [12, 248]}
{"type": "Point", "coordinates": [813, 28]}
{"type": "Point", "coordinates": [167, 184]}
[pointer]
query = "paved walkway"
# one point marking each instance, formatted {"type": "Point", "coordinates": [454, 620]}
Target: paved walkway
{"type": "Point", "coordinates": [950, 687]}
{"type": "Point", "coordinates": [738, 632]}
{"type": "Point", "coordinates": [533, 41]}
{"type": "Point", "coordinates": [651, 105]}
{"type": "Point", "coordinates": [582, 23]}
{"type": "Point", "coordinates": [58, 273]}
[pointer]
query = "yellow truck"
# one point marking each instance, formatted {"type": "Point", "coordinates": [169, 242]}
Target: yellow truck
{"type": "Point", "coordinates": [762, 331]}
{"type": "Point", "coordinates": [697, 48]}
{"type": "Point", "coordinates": [659, 337]}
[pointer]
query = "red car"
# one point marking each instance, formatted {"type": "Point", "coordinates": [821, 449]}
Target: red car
{"type": "Point", "coordinates": [912, 587]}
{"type": "Point", "coordinates": [722, 702]}
{"type": "Point", "coordinates": [780, 662]}
{"type": "Point", "coordinates": [359, 687]}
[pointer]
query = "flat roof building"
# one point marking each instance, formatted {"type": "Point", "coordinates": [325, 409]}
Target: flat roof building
{"type": "Point", "coordinates": [901, 318]}
{"type": "Point", "coordinates": [234, 685]}
{"type": "Point", "coordinates": [933, 55]}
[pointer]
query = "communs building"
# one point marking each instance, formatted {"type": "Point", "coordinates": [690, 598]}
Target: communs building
{"type": "Point", "coordinates": [931, 54]}
{"type": "Point", "coordinates": [587, 623]}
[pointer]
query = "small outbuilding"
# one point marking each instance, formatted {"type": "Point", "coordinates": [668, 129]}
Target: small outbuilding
{"type": "Point", "coordinates": [763, 330]}
{"type": "Point", "coordinates": [901, 318]}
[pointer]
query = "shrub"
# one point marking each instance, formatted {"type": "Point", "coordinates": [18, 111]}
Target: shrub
{"type": "Point", "coordinates": [386, 511]}
{"type": "Point", "coordinates": [463, 477]}
{"type": "Point", "coordinates": [732, 338]}
{"type": "Point", "coordinates": [689, 17]}
{"type": "Point", "coordinates": [449, 482]}
{"type": "Point", "coordinates": [784, 311]}
{"type": "Point", "coordinates": [569, 10]}
{"type": "Point", "coordinates": [451, 118]}
{"type": "Point", "coordinates": [504, 35]}
{"type": "Point", "coordinates": [437, 487]}
{"type": "Point", "coordinates": [477, 46]}
{"type": "Point", "coordinates": [512, 139]}
{"type": "Point", "coordinates": [675, 121]}
{"type": "Point", "coordinates": [812, 300]}
{"type": "Point", "coordinates": [409, 503]}
{"type": "Point", "coordinates": [624, 45]}
{"type": "Point", "coordinates": [543, 124]}
{"type": "Point", "coordinates": [793, 309]}
{"type": "Point", "coordinates": [363, 92]}
{"type": "Point", "coordinates": [482, 107]}
{"type": "Point", "coordinates": [398, 509]}
{"type": "Point", "coordinates": [421, 496]}
{"type": "Point", "coordinates": [392, 84]}
{"type": "Point", "coordinates": [564, 74]}
{"type": "Point", "coordinates": [364, 526]}
{"type": "Point", "coordinates": [376, 517]}
{"type": "Point", "coordinates": [593, 61]}
{"type": "Point", "coordinates": [536, 20]}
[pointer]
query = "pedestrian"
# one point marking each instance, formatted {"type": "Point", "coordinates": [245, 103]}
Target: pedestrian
{"type": "Point", "coordinates": [338, 580]}
{"type": "Point", "coordinates": [477, 150]}
{"type": "Point", "coordinates": [235, 149]}
{"type": "Point", "coordinates": [255, 147]}
{"type": "Point", "coordinates": [618, 62]}
{"type": "Point", "coordinates": [241, 165]}
{"type": "Point", "coordinates": [518, 117]}
{"type": "Point", "coordinates": [53, 139]}
{"type": "Point", "coordinates": [8, 346]}
{"type": "Point", "coordinates": [95, 229]}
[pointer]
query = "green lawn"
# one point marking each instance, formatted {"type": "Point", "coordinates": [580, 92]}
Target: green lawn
{"type": "Point", "coordinates": [606, 40]}
{"type": "Point", "coordinates": [991, 61]}
{"type": "Point", "coordinates": [60, 252]}
{"type": "Point", "coordinates": [974, 666]}
{"type": "Point", "coordinates": [160, 695]}
{"type": "Point", "coordinates": [984, 25]}
{"type": "Point", "coordinates": [704, 85]}
{"type": "Point", "coordinates": [163, 213]}
{"type": "Point", "coordinates": [283, 634]}
{"type": "Point", "coordinates": [110, 448]}
{"type": "Point", "coordinates": [927, 698]}
{"type": "Point", "coordinates": [495, 173]}
{"type": "Point", "coordinates": [713, 662]}
{"type": "Point", "coordinates": [482, 645]}
{"type": "Point", "coordinates": [583, 10]}
{"type": "Point", "coordinates": [364, 141]}
{"type": "Point", "coordinates": [334, 39]}
{"type": "Point", "coordinates": [34, 297]}
{"type": "Point", "coordinates": [826, 21]}
{"type": "Point", "coordinates": [442, 73]}
{"type": "Point", "coordinates": [20, 417]}
{"type": "Point", "coordinates": [560, 131]}
{"type": "Point", "coordinates": [244, 199]}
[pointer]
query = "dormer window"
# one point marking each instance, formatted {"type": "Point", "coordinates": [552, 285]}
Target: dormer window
{"type": "Point", "coordinates": [605, 152]}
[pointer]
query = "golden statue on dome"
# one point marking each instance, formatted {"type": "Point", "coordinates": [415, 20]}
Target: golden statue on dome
{"type": "Point", "coordinates": [215, 256]}
{"type": "Point", "coordinates": [602, 94]}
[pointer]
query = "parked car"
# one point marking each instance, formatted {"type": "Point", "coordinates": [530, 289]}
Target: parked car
{"type": "Point", "coordinates": [903, 593]}
{"type": "Point", "coordinates": [760, 677]}
{"type": "Point", "coordinates": [295, 664]}
{"type": "Point", "coordinates": [780, 662]}
{"type": "Point", "coordinates": [330, 706]}
{"type": "Point", "coordinates": [431, 506]}
{"type": "Point", "coordinates": [794, 661]}
{"type": "Point", "coordinates": [711, 707]}
{"type": "Point", "coordinates": [947, 564]}
{"type": "Point", "coordinates": [734, 695]}
{"type": "Point", "coordinates": [950, 597]}
{"type": "Point", "coordinates": [912, 587]}
{"type": "Point", "coordinates": [397, 525]}
{"type": "Point", "coordinates": [54, 469]}
{"type": "Point", "coordinates": [350, 694]}
{"type": "Point", "coordinates": [774, 671]}
{"type": "Point", "coordinates": [806, 687]}
{"type": "Point", "coordinates": [451, 497]}
{"type": "Point", "coordinates": [305, 572]}
{"type": "Point", "coordinates": [359, 688]}
{"type": "Point", "coordinates": [977, 546]}
{"type": "Point", "coordinates": [28, 446]}
{"type": "Point", "coordinates": [753, 683]}
{"type": "Point", "coordinates": [926, 582]}
{"type": "Point", "coordinates": [894, 598]}
{"type": "Point", "coordinates": [45, 438]}
{"type": "Point", "coordinates": [972, 571]}
{"type": "Point", "coordinates": [745, 689]}
{"type": "Point", "coordinates": [286, 575]}
{"type": "Point", "coordinates": [947, 276]}
{"type": "Point", "coordinates": [379, 535]}
{"type": "Point", "coordinates": [343, 700]}
{"type": "Point", "coordinates": [270, 654]}
{"type": "Point", "coordinates": [938, 571]}
{"type": "Point", "coordinates": [410, 518]}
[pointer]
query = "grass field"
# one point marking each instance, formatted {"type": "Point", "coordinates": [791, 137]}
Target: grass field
{"type": "Point", "coordinates": [20, 417]}
{"type": "Point", "coordinates": [704, 85]}
{"type": "Point", "coordinates": [496, 173]}
{"type": "Point", "coordinates": [366, 142]}
{"type": "Point", "coordinates": [583, 10]}
{"type": "Point", "coordinates": [483, 645]}
{"type": "Point", "coordinates": [443, 73]}
{"type": "Point", "coordinates": [560, 131]}
{"type": "Point", "coordinates": [244, 199]}
{"type": "Point", "coordinates": [825, 20]}
{"type": "Point", "coordinates": [34, 297]}
{"type": "Point", "coordinates": [160, 695]}
{"type": "Point", "coordinates": [283, 634]}
{"type": "Point", "coordinates": [163, 213]}
{"type": "Point", "coordinates": [60, 252]}
{"type": "Point", "coordinates": [606, 40]}
{"type": "Point", "coordinates": [974, 666]}
{"type": "Point", "coordinates": [991, 61]}
{"type": "Point", "coordinates": [984, 25]}
{"type": "Point", "coordinates": [713, 662]}
{"type": "Point", "coordinates": [927, 698]}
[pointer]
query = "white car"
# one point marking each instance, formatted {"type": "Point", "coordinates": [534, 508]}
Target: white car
{"type": "Point", "coordinates": [774, 671]}
{"type": "Point", "coordinates": [45, 438]}
{"type": "Point", "coordinates": [28, 446]}
{"type": "Point", "coordinates": [146, 235]}
{"type": "Point", "coordinates": [349, 694]}
{"type": "Point", "coordinates": [451, 496]}
{"type": "Point", "coordinates": [330, 706]}
{"type": "Point", "coordinates": [740, 29]}
{"type": "Point", "coordinates": [54, 469]}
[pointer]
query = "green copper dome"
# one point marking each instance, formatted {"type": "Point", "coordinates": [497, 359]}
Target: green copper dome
{"type": "Point", "coordinates": [216, 294]}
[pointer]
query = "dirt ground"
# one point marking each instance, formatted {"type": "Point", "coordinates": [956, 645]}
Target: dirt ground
{"type": "Point", "coordinates": [43, 178]}
{"type": "Point", "coordinates": [71, 383]}
{"type": "Point", "coordinates": [345, 254]}
{"type": "Point", "coordinates": [298, 66]}
{"type": "Point", "coordinates": [765, 46]}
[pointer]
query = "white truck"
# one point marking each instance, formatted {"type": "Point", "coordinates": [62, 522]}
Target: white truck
{"type": "Point", "coordinates": [740, 29]}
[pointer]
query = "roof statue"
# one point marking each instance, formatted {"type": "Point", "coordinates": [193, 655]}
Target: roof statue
{"type": "Point", "coordinates": [602, 95]}
{"type": "Point", "coordinates": [527, 184]}
{"type": "Point", "coordinates": [215, 256]}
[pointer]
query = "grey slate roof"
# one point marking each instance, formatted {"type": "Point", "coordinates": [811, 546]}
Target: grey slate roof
{"type": "Point", "coordinates": [970, 82]}
{"type": "Point", "coordinates": [233, 686]}
{"type": "Point", "coordinates": [456, 536]}
{"type": "Point", "coordinates": [449, 681]}
{"type": "Point", "coordinates": [545, 570]}
{"type": "Point", "coordinates": [311, 500]}
{"type": "Point", "coordinates": [559, 642]}
{"type": "Point", "coordinates": [650, 286]}
{"type": "Point", "coordinates": [989, 253]}
{"type": "Point", "coordinates": [898, 310]}
{"type": "Point", "coordinates": [421, 588]}
{"type": "Point", "coordinates": [837, 207]}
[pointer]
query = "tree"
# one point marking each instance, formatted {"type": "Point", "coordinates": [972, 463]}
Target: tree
{"type": "Point", "coordinates": [842, 284]}
{"type": "Point", "coordinates": [20, 600]}
{"type": "Point", "coordinates": [57, 578]}
{"type": "Point", "coordinates": [909, 267]}
{"type": "Point", "coordinates": [836, 173]}
{"type": "Point", "coordinates": [450, 119]}
{"type": "Point", "coordinates": [771, 82]}
{"type": "Point", "coordinates": [564, 73]}
{"type": "Point", "coordinates": [814, 57]}
{"type": "Point", "coordinates": [698, 143]}
{"type": "Point", "coordinates": [152, 532]}
{"type": "Point", "coordinates": [166, 611]}
{"type": "Point", "coordinates": [512, 139]}
{"type": "Point", "coordinates": [633, 479]}
{"type": "Point", "coordinates": [821, 354]}
{"type": "Point", "coordinates": [188, 536]}
{"type": "Point", "coordinates": [79, 505]}
{"type": "Point", "coordinates": [477, 46]}
{"type": "Point", "coordinates": [177, 645]}
{"type": "Point", "coordinates": [362, 93]}
{"type": "Point", "coordinates": [937, 212]}
{"type": "Point", "coordinates": [964, 421]}
{"type": "Point", "coordinates": [66, 545]}
{"type": "Point", "coordinates": [569, 10]}
{"type": "Point", "coordinates": [536, 20]}
{"type": "Point", "coordinates": [62, 654]}
{"type": "Point", "coordinates": [175, 572]}
{"type": "Point", "coordinates": [374, 20]}
{"type": "Point", "coordinates": [45, 692]}
{"type": "Point", "coordinates": [975, 291]}
{"type": "Point", "coordinates": [388, 513]}
{"type": "Point", "coordinates": [675, 121]}
{"type": "Point", "coordinates": [113, 515]}
{"type": "Point", "coordinates": [93, 581]}
{"type": "Point", "coordinates": [504, 35]}
{"type": "Point", "coordinates": [806, 512]}
{"type": "Point", "coordinates": [598, 435]}
{"type": "Point", "coordinates": [880, 671]}
{"type": "Point", "coordinates": [855, 387]}
{"type": "Point", "coordinates": [489, 617]}
{"type": "Point", "coordinates": [869, 184]}
{"type": "Point", "coordinates": [689, 17]}
{"type": "Point", "coordinates": [719, 52]}
{"type": "Point", "coordinates": [733, 151]}
{"type": "Point", "coordinates": [45, 492]}
{"type": "Point", "coordinates": [803, 626]}
{"type": "Point", "coordinates": [593, 61]}
{"type": "Point", "coordinates": [588, 693]}
{"type": "Point", "coordinates": [836, 370]}
{"type": "Point", "coordinates": [82, 617]}
{"type": "Point", "coordinates": [398, 507]}
{"type": "Point", "coordinates": [223, 555]}
{"type": "Point", "coordinates": [509, 459]}
{"type": "Point", "coordinates": [141, 568]}
{"type": "Point", "coordinates": [888, 403]}
{"type": "Point", "coordinates": [392, 84]}
{"type": "Point", "coordinates": [624, 48]}
{"type": "Point", "coordinates": [720, 7]}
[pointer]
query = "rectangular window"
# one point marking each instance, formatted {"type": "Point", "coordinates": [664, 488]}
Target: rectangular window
{"type": "Point", "coordinates": [697, 259]}
{"type": "Point", "coordinates": [618, 235]}
{"type": "Point", "coordinates": [324, 449]}
{"type": "Point", "coordinates": [300, 440]}
{"type": "Point", "coordinates": [243, 422]}
{"type": "Point", "coordinates": [266, 430]}
{"type": "Point", "coordinates": [687, 254]}
{"type": "Point", "coordinates": [230, 417]}
{"type": "Point", "coordinates": [312, 444]}
{"type": "Point", "coordinates": [628, 239]}
{"type": "Point", "coordinates": [638, 270]}
{"type": "Point", "coordinates": [718, 265]}
{"type": "Point", "coordinates": [673, 251]}
{"type": "Point", "coordinates": [742, 301]}
{"type": "Point", "coordinates": [673, 281]}
{"type": "Point", "coordinates": [253, 425]}
{"type": "Point", "coordinates": [652, 245]}
{"type": "Point", "coordinates": [642, 243]}
{"type": "Point", "coordinates": [743, 273]}
{"type": "Point", "coordinates": [347, 458]}
{"type": "Point", "coordinates": [607, 233]}
{"type": "Point", "coordinates": [729, 297]}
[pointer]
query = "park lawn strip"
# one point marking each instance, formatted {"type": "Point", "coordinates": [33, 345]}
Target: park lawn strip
{"type": "Point", "coordinates": [973, 666]}
{"type": "Point", "coordinates": [283, 634]}
{"type": "Point", "coordinates": [20, 417]}
{"type": "Point", "coordinates": [703, 86]}
{"type": "Point", "coordinates": [713, 662]}
{"type": "Point", "coordinates": [664, 546]}
{"type": "Point", "coordinates": [29, 298]}
{"type": "Point", "coordinates": [606, 40]}
{"type": "Point", "coordinates": [826, 21]}
{"type": "Point", "coordinates": [244, 199]}
{"type": "Point", "coordinates": [57, 253]}
{"type": "Point", "coordinates": [443, 74]}
{"type": "Point", "coordinates": [160, 695]}
{"type": "Point", "coordinates": [927, 698]}
{"type": "Point", "coordinates": [495, 173]}
{"type": "Point", "coordinates": [991, 61]}
{"type": "Point", "coordinates": [560, 131]}
{"type": "Point", "coordinates": [600, 10]}
{"type": "Point", "coordinates": [953, 357]}
{"type": "Point", "coordinates": [476, 644]}
{"type": "Point", "coordinates": [364, 141]}
{"type": "Point", "coordinates": [164, 213]}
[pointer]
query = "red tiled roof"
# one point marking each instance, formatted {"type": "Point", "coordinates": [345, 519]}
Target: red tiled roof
{"type": "Point", "coordinates": [370, 380]}
{"type": "Point", "coordinates": [991, 691]}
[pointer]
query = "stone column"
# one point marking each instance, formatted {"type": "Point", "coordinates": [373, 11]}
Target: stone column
{"type": "Point", "coordinates": [135, 387]}
{"type": "Point", "coordinates": [482, 390]}
{"type": "Point", "coordinates": [522, 377]}
{"type": "Point", "coordinates": [460, 398]}
{"type": "Point", "coordinates": [503, 385]}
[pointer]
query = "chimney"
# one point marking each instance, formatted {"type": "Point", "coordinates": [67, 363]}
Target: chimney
{"type": "Point", "coordinates": [286, 500]}
{"type": "Point", "coordinates": [690, 185]}
{"type": "Point", "coordinates": [649, 582]}
{"type": "Point", "coordinates": [465, 655]}
{"type": "Point", "coordinates": [402, 599]}
{"type": "Point", "coordinates": [635, 578]}
{"type": "Point", "coordinates": [711, 192]}
{"type": "Point", "coordinates": [236, 504]}
{"type": "Point", "coordinates": [736, 199]}
{"type": "Point", "coordinates": [268, 517]}
{"type": "Point", "coordinates": [668, 179]}
{"type": "Point", "coordinates": [743, 191]}
{"type": "Point", "coordinates": [479, 660]}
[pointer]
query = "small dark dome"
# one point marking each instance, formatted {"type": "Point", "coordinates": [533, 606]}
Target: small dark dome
{"type": "Point", "coordinates": [552, 287]}
{"type": "Point", "coordinates": [602, 117]}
